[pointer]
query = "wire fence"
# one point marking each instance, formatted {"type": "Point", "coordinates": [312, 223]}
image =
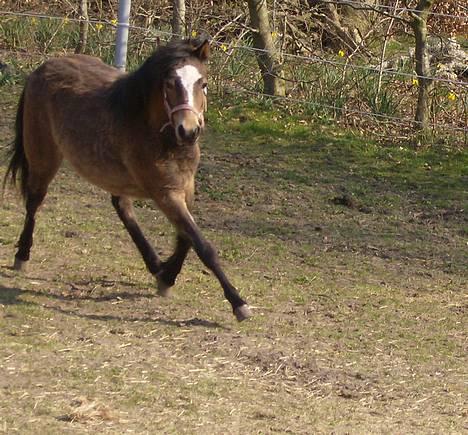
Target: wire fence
{"type": "Point", "coordinates": [392, 9]}
{"type": "Point", "coordinates": [236, 72]}
{"type": "Point", "coordinates": [311, 58]}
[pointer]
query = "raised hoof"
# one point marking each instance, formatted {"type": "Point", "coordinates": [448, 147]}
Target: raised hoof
{"type": "Point", "coordinates": [243, 312]}
{"type": "Point", "coordinates": [20, 265]}
{"type": "Point", "coordinates": [164, 290]}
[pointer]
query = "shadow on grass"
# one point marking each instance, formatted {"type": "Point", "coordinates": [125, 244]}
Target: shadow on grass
{"type": "Point", "coordinates": [10, 296]}
{"type": "Point", "coordinates": [13, 296]}
{"type": "Point", "coordinates": [196, 322]}
{"type": "Point", "coordinates": [79, 289]}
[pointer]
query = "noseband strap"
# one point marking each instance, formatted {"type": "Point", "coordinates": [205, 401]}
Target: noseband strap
{"type": "Point", "coordinates": [184, 106]}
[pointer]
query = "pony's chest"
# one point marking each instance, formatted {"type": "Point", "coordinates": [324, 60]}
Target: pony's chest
{"type": "Point", "coordinates": [175, 160]}
{"type": "Point", "coordinates": [176, 172]}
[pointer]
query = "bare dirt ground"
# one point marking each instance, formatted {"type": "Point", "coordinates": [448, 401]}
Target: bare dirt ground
{"type": "Point", "coordinates": [359, 304]}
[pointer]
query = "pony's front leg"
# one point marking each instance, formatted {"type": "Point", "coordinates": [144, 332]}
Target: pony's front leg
{"type": "Point", "coordinates": [172, 266]}
{"type": "Point", "coordinates": [175, 208]}
{"type": "Point", "coordinates": [124, 207]}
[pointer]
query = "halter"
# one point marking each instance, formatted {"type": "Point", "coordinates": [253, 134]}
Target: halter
{"type": "Point", "coordinates": [184, 106]}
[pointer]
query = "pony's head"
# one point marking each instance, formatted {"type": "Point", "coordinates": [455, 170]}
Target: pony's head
{"type": "Point", "coordinates": [184, 93]}
{"type": "Point", "coordinates": [167, 91]}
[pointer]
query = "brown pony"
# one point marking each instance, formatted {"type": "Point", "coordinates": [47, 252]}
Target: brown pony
{"type": "Point", "coordinates": [134, 135]}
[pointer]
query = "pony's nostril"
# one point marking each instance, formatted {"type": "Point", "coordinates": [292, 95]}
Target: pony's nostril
{"type": "Point", "coordinates": [181, 131]}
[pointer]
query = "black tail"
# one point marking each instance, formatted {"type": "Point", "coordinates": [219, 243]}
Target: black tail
{"type": "Point", "coordinates": [18, 166]}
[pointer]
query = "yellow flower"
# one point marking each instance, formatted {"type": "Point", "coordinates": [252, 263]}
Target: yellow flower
{"type": "Point", "coordinates": [274, 35]}
{"type": "Point", "coordinates": [224, 47]}
{"type": "Point", "coordinates": [341, 53]}
{"type": "Point", "coordinates": [33, 21]}
{"type": "Point", "coordinates": [194, 33]}
{"type": "Point", "coordinates": [415, 81]}
{"type": "Point", "coordinates": [113, 22]}
{"type": "Point", "coordinates": [99, 26]}
{"type": "Point", "coordinates": [451, 96]}
{"type": "Point", "coordinates": [66, 20]}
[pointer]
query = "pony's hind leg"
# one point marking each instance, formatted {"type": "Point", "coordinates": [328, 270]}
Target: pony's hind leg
{"type": "Point", "coordinates": [35, 192]}
{"type": "Point", "coordinates": [165, 273]}
{"type": "Point", "coordinates": [33, 201]}
{"type": "Point", "coordinates": [172, 266]}
{"type": "Point", "coordinates": [124, 208]}
{"type": "Point", "coordinates": [36, 159]}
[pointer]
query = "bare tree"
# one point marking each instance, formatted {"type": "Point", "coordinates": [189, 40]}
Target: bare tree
{"type": "Point", "coordinates": [419, 25]}
{"type": "Point", "coordinates": [178, 18]}
{"type": "Point", "coordinates": [84, 24]}
{"type": "Point", "coordinates": [267, 56]}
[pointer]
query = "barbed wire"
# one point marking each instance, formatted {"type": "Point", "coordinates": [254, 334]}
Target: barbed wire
{"type": "Point", "coordinates": [310, 59]}
{"type": "Point", "coordinates": [319, 59]}
{"type": "Point", "coordinates": [58, 18]}
{"type": "Point", "coordinates": [392, 8]}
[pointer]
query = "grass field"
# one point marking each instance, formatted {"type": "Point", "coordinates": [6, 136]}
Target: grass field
{"type": "Point", "coordinates": [352, 255]}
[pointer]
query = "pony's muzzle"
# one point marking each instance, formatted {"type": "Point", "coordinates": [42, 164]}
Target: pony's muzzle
{"type": "Point", "coordinates": [188, 136]}
{"type": "Point", "coordinates": [187, 126]}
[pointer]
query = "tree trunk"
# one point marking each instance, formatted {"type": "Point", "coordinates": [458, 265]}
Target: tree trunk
{"type": "Point", "coordinates": [422, 63]}
{"type": "Point", "coordinates": [84, 24]}
{"type": "Point", "coordinates": [178, 18]}
{"type": "Point", "coordinates": [268, 58]}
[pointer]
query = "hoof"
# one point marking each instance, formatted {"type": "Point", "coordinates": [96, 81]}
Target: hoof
{"type": "Point", "coordinates": [20, 265]}
{"type": "Point", "coordinates": [164, 290]}
{"type": "Point", "coordinates": [243, 312]}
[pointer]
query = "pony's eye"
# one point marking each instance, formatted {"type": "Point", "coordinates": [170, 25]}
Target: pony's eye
{"type": "Point", "coordinates": [170, 84]}
{"type": "Point", "coordinates": [205, 88]}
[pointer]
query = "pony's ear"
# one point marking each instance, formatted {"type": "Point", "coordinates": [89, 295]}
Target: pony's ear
{"type": "Point", "coordinates": [202, 50]}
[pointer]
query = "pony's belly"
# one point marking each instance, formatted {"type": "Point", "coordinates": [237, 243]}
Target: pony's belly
{"type": "Point", "coordinates": [112, 178]}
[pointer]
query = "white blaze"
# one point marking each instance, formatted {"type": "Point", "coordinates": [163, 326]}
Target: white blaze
{"type": "Point", "coordinates": [188, 75]}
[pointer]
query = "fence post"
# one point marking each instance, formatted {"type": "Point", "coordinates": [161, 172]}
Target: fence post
{"type": "Point", "coordinates": [122, 34]}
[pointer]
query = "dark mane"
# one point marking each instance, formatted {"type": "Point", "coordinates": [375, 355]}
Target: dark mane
{"type": "Point", "coordinates": [130, 94]}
